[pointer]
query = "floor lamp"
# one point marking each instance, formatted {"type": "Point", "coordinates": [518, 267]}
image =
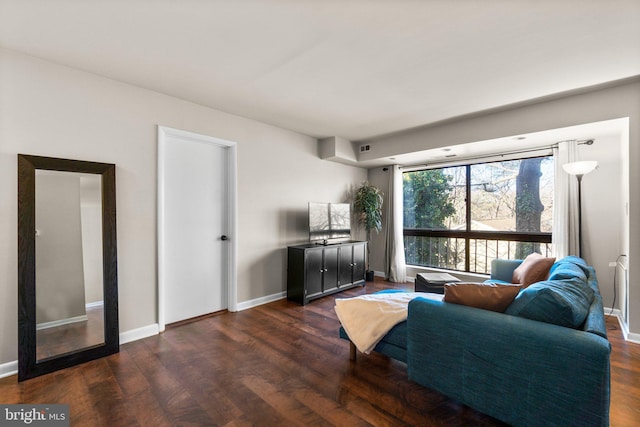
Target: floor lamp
{"type": "Point", "coordinates": [579, 169]}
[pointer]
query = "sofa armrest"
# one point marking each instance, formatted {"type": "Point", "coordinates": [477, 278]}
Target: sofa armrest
{"type": "Point", "coordinates": [517, 370]}
{"type": "Point", "coordinates": [502, 269]}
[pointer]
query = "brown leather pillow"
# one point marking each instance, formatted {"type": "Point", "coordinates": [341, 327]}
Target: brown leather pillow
{"type": "Point", "coordinates": [487, 296]}
{"type": "Point", "coordinates": [534, 268]}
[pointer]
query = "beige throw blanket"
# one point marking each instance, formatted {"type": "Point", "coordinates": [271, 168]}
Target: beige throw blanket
{"type": "Point", "coordinates": [368, 318]}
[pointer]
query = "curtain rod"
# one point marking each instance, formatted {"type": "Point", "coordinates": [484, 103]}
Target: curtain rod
{"type": "Point", "coordinates": [588, 141]}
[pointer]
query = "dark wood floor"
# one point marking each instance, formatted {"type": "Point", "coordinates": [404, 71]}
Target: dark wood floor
{"type": "Point", "coordinates": [65, 338]}
{"type": "Point", "coordinates": [277, 364]}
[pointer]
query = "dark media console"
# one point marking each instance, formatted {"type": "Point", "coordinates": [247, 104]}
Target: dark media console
{"type": "Point", "coordinates": [317, 270]}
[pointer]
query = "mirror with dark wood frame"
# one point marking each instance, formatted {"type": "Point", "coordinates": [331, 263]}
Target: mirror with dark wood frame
{"type": "Point", "coordinates": [67, 263]}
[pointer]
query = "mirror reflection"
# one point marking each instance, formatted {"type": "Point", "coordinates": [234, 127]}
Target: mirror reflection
{"type": "Point", "coordinates": [69, 270]}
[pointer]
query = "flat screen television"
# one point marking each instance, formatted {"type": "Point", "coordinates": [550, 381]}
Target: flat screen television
{"type": "Point", "coordinates": [329, 221]}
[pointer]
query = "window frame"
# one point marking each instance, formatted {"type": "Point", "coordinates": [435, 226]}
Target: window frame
{"type": "Point", "coordinates": [468, 234]}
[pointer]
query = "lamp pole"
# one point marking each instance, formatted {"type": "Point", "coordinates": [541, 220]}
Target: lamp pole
{"type": "Point", "coordinates": [579, 176]}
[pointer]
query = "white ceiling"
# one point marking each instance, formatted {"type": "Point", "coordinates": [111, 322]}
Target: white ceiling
{"type": "Point", "coordinates": [354, 69]}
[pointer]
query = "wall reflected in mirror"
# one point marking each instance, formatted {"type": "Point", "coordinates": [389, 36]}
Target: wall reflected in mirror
{"type": "Point", "coordinates": [69, 269]}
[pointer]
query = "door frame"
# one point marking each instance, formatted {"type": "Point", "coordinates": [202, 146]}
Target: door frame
{"type": "Point", "coordinates": [164, 133]}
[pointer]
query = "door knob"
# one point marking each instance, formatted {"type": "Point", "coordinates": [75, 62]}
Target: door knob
{"type": "Point", "coordinates": [223, 237]}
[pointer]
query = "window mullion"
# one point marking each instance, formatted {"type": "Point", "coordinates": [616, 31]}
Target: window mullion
{"type": "Point", "coordinates": [467, 250]}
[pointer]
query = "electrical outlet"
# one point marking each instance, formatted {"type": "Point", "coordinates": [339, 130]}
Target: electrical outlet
{"type": "Point", "coordinates": [364, 148]}
{"type": "Point", "coordinates": [612, 264]}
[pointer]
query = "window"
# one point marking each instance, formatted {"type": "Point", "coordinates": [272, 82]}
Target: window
{"type": "Point", "coordinates": [463, 217]}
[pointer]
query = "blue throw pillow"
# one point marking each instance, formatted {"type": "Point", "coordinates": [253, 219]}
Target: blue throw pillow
{"type": "Point", "coordinates": [560, 302]}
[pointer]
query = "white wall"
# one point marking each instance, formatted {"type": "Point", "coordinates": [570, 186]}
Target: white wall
{"type": "Point", "coordinates": [603, 207]}
{"type": "Point", "coordinates": [59, 268]}
{"type": "Point", "coordinates": [610, 228]}
{"type": "Point", "coordinates": [51, 110]}
{"type": "Point", "coordinates": [91, 214]}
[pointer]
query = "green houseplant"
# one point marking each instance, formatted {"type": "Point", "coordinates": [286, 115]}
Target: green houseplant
{"type": "Point", "coordinates": [367, 204]}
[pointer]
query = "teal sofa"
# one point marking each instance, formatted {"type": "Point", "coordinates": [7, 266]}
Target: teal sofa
{"type": "Point", "coordinates": [544, 362]}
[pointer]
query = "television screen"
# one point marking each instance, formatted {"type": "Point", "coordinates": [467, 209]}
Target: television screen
{"type": "Point", "coordinates": [329, 221]}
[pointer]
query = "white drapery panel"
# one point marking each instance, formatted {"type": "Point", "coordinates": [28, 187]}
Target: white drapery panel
{"type": "Point", "coordinates": [396, 270]}
{"type": "Point", "coordinates": [565, 201]}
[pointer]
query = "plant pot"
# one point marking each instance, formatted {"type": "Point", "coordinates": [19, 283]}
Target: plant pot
{"type": "Point", "coordinates": [369, 275]}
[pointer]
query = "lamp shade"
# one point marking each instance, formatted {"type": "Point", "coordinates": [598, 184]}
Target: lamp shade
{"type": "Point", "coordinates": [580, 168]}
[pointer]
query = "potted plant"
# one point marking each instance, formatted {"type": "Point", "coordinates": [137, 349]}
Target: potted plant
{"type": "Point", "coordinates": [367, 204]}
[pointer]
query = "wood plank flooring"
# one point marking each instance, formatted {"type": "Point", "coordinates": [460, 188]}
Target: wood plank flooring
{"type": "Point", "coordinates": [62, 339]}
{"type": "Point", "coordinates": [279, 364]}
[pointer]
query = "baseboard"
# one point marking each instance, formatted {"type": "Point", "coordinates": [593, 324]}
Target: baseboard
{"type": "Point", "coordinates": [608, 311]}
{"type": "Point", "coordinates": [95, 304]}
{"type": "Point", "coordinates": [634, 338]}
{"type": "Point", "coordinates": [11, 368]}
{"type": "Point", "coordinates": [55, 323]}
{"type": "Point", "coordinates": [260, 301]}
{"type": "Point", "coordinates": [628, 336]}
{"type": "Point", "coordinates": [384, 276]}
{"type": "Point", "coordinates": [8, 369]}
{"type": "Point", "coordinates": [624, 327]}
{"type": "Point", "coordinates": [139, 333]}
{"type": "Point", "coordinates": [76, 319]}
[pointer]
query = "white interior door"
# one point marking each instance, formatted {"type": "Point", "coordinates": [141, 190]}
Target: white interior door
{"type": "Point", "coordinates": [193, 201]}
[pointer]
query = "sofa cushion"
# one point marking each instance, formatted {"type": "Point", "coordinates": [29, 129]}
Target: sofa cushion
{"type": "Point", "coordinates": [502, 269]}
{"type": "Point", "coordinates": [560, 302]}
{"type": "Point", "coordinates": [487, 296]}
{"type": "Point", "coordinates": [567, 269]}
{"type": "Point", "coordinates": [533, 269]}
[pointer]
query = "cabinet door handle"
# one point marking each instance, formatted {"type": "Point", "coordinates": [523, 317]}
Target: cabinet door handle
{"type": "Point", "coordinates": [354, 264]}
{"type": "Point", "coordinates": [326, 269]}
{"type": "Point", "coordinates": [321, 270]}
